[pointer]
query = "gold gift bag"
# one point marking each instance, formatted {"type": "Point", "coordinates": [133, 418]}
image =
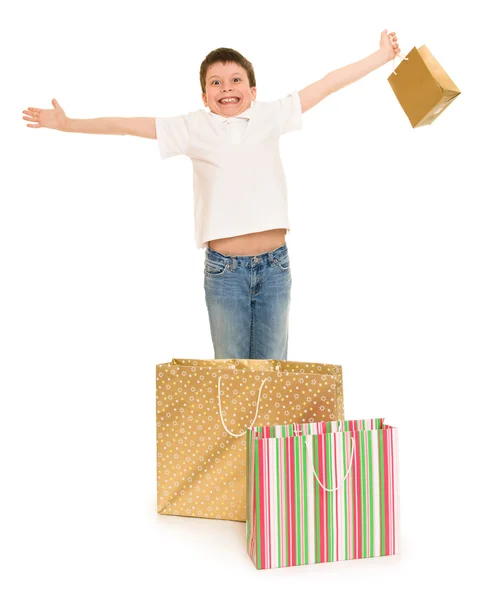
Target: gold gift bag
{"type": "Point", "coordinates": [203, 410]}
{"type": "Point", "coordinates": [422, 87]}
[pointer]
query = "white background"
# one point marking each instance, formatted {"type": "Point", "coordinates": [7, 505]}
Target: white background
{"type": "Point", "coordinates": [101, 281]}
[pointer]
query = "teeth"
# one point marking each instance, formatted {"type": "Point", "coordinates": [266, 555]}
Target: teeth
{"type": "Point", "coordinates": [230, 100]}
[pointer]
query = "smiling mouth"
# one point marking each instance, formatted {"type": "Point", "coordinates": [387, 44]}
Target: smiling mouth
{"type": "Point", "coordinates": [230, 100]}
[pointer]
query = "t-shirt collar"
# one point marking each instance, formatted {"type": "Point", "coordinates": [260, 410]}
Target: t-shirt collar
{"type": "Point", "coordinates": [244, 115]}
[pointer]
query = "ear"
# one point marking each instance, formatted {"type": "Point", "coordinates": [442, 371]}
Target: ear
{"type": "Point", "coordinates": [204, 98]}
{"type": "Point", "coordinates": [253, 93]}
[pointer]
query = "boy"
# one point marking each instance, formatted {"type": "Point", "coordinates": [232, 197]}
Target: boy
{"type": "Point", "coordinates": [241, 214]}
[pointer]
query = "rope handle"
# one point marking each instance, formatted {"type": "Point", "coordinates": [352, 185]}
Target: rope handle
{"type": "Point", "coordinates": [221, 412]}
{"type": "Point", "coordinates": [297, 428]}
{"type": "Point", "coordinates": [401, 58]}
{"type": "Point", "coordinates": [347, 472]}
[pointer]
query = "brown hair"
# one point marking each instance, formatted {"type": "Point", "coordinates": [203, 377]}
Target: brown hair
{"type": "Point", "coordinates": [226, 55]}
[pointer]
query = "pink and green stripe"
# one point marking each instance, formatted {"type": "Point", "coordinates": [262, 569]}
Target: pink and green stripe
{"type": "Point", "coordinates": [292, 520]}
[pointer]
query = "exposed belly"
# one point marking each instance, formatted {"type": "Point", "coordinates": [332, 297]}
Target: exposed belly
{"type": "Point", "coordinates": [250, 244]}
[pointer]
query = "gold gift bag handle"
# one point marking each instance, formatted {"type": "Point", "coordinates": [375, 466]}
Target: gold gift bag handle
{"type": "Point", "coordinates": [221, 412]}
{"type": "Point", "coordinates": [402, 58]}
{"type": "Point", "coordinates": [347, 472]}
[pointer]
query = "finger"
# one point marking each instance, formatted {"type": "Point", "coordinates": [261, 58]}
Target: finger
{"type": "Point", "coordinates": [32, 113]}
{"type": "Point", "coordinates": [30, 119]}
{"type": "Point", "coordinates": [33, 126]}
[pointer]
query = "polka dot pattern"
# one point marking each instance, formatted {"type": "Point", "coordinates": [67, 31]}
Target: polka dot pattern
{"type": "Point", "coordinates": [201, 468]}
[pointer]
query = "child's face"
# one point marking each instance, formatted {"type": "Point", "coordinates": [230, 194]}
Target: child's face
{"type": "Point", "coordinates": [228, 81]}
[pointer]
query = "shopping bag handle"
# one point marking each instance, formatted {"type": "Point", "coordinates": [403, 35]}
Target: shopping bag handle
{"type": "Point", "coordinates": [297, 428]}
{"type": "Point", "coordinates": [221, 412]}
{"type": "Point", "coordinates": [308, 448]}
{"type": "Point", "coordinates": [402, 58]}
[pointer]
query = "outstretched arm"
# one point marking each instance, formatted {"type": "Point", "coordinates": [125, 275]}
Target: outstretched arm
{"type": "Point", "coordinates": [334, 81]}
{"type": "Point", "coordinates": [56, 119]}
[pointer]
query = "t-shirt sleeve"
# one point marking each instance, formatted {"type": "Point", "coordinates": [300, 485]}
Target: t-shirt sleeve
{"type": "Point", "coordinates": [289, 113]}
{"type": "Point", "coordinates": [172, 135]}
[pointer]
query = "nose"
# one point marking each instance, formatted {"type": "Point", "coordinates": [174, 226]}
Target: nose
{"type": "Point", "coordinates": [227, 89]}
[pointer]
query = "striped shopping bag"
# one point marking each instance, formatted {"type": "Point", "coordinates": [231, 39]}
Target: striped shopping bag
{"type": "Point", "coordinates": [322, 492]}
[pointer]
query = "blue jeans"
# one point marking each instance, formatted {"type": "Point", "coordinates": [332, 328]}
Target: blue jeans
{"type": "Point", "coordinates": [248, 299]}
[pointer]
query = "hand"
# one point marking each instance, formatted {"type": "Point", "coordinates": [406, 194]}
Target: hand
{"type": "Point", "coordinates": [388, 46]}
{"type": "Point", "coordinates": [51, 118]}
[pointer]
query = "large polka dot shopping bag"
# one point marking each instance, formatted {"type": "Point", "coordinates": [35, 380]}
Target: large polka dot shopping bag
{"type": "Point", "coordinates": [203, 409]}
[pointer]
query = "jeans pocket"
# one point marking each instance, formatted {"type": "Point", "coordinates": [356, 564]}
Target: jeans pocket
{"type": "Point", "coordinates": [214, 269]}
{"type": "Point", "coordinates": [283, 263]}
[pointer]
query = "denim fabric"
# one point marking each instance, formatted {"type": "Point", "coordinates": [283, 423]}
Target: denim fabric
{"type": "Point", "coordinates": [248, 299]}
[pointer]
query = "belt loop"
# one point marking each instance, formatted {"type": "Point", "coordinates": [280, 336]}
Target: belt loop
{"type": "Point", "coordinates": [270, 258]}
{"type": "Point", "coordinates": [233, 264]}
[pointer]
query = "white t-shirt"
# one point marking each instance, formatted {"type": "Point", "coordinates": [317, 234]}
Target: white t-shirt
{"type": "Point", "coordinates": [239, 182]}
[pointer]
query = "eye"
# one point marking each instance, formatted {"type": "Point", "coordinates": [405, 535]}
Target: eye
{"type": "Point", "coordinates": [215, 81]}
{"type": "Point", "coordinates": [237, 78]}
